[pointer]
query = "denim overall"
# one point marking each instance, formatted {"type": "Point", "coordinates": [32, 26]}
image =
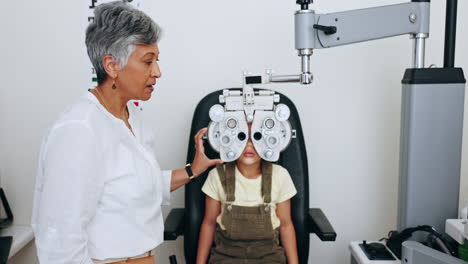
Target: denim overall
{"type": "Point", "coordinates": [249, 236]}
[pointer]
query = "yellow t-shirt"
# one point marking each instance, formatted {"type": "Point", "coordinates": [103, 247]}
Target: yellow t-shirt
{"type": "Point", "coordinates": [248, 191]}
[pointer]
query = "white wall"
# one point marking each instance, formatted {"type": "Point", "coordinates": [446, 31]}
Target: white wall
{"type": "Point", "coordinates": [350, 114]}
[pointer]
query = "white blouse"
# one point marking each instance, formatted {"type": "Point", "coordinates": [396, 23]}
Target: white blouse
{"type": "Point", "coordinates": [99, 188]}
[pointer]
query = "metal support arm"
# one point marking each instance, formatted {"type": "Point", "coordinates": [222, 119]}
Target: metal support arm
{"type": "Point", "coordinates": [315, 31]}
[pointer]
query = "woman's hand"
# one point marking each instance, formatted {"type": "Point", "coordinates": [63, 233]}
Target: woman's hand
{"type": "Point", "coordinates": [201, 162]}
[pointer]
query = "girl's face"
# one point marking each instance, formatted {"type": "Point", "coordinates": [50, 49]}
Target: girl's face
{"type": "Point", "coordinates": [249, 156]}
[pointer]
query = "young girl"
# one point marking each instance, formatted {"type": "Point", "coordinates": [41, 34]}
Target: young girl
{"type": "Point", "coordinates": [247, 211]}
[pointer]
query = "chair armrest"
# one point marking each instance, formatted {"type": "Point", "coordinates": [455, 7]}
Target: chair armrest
{"type": "Point", "coordinates": [319, 224]}
{"type": "Point", "coordinates": [174, 224]}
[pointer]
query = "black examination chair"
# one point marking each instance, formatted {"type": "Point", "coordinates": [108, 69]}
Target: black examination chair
{"type": "Point", "coordinates": [187, 221]}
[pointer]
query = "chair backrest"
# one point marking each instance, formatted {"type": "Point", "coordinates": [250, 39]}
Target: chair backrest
{"type": "Point", "coordinates": [293, 158]}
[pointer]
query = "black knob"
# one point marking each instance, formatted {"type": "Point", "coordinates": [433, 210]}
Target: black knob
{"type": "Point", "coordinates": [328, 30]}
{"type": "Point", "coordinates": [304, 3]}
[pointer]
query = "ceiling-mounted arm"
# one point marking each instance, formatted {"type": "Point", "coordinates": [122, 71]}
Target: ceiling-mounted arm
{"type": "Point", "coordinates": [316, 31]}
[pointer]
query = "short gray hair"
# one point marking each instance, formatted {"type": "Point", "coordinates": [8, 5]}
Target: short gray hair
{"type": "Point", "coordinates": [116, 29]}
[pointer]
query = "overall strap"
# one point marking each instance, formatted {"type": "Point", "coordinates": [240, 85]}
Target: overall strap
{"type": "Point", "coordinates": [267, 169]}
{"type": "Point", "coordinates": [228, 180]}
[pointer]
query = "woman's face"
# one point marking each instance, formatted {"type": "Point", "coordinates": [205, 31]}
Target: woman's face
{"type": "Point", "coordinates": [137, 79]}
{"type": "Point", "coordinates": [249, 155]}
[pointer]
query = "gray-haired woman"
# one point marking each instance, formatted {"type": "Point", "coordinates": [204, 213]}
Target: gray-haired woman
{"type": "Point", "coordinates": [99, 188]}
